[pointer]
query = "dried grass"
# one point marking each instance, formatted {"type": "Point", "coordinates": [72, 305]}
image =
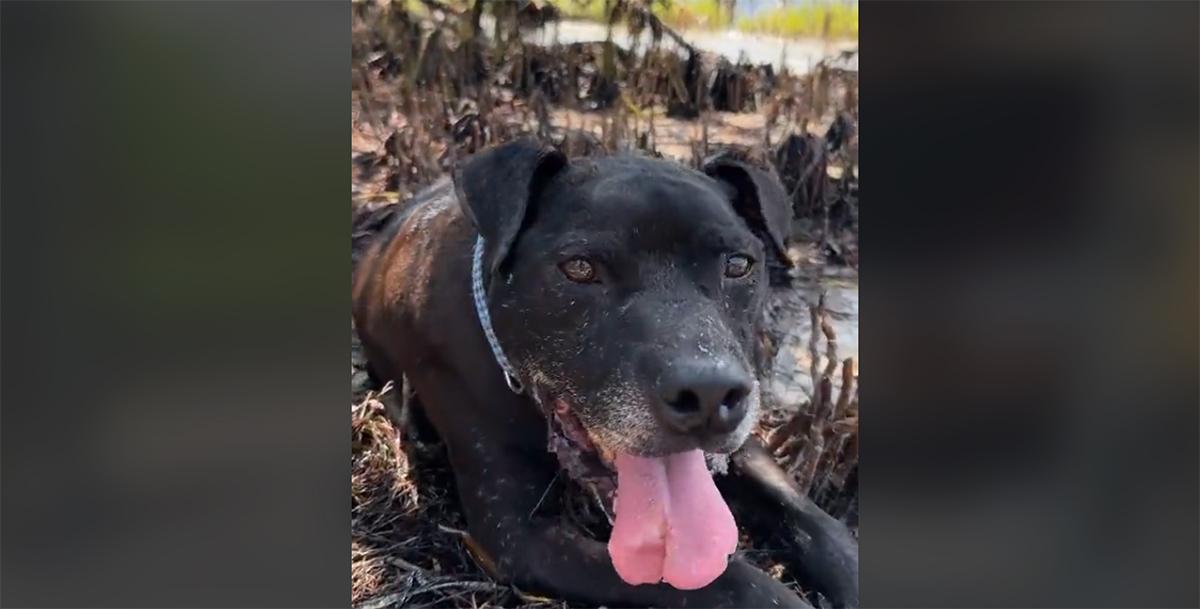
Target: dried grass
{"type": "Point", "coordinates": [408, 545]}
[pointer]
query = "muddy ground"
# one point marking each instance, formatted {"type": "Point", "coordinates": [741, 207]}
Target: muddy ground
{"type": "Point", "coordinates": [426, 93]}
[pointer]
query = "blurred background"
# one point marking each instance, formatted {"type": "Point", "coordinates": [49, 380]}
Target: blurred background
{"type": "Point", "coordinates": [775, 83]}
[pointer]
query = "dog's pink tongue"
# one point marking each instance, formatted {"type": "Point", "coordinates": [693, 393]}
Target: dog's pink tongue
{"type": "Point", "coordinates": [672, 524]}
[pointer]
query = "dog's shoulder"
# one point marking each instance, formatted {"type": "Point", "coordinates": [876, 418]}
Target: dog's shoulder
{"type": "Point", "coordinates": [398, 268]}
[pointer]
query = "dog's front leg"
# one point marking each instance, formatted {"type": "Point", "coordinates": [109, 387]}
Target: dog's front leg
{"type": "Point", "coordinates": [824, 552]}
{"type": "Point", "coordinates": [542, 555]}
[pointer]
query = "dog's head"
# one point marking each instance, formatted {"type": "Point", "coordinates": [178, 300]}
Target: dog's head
{"type": "Point", "coordinates": [627, 290]}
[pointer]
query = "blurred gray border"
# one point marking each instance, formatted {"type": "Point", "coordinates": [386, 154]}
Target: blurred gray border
{"type": "Point", "coordinates": [1029, 304]}
{"type": "Point", "coordinates": [175, 304]}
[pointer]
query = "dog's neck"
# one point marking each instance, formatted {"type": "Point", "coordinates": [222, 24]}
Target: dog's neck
{"type": "Point", "coordinates": [485, 320]}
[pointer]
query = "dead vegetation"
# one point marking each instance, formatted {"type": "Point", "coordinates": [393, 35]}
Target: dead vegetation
{"type": "Point", "coordinates": [406, 547]}
{"type": "Point", "coordinates": [432, 88]}
{"type": "Point", "coordinates": [431, 84]}
{"type": "Point", "coordinates": [818, 442]}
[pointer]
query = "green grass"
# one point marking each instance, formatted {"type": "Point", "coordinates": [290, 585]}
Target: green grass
{"type": "Point", "coordinates": [806, 18]}
{"type": "Point", "coordinates": [697, 14]}
{"type": "Point", "coordinates": [588, 11]}
{"type": "Point", "coordinates": [831, 20]}
{"type": "Point", "coordinates": [416, 7]}
{"type": "Point", "coordinates": [681, 13]}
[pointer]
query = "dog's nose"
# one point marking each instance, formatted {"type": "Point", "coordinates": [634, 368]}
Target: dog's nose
{"type": "Point", "coordinates": [703, 399]}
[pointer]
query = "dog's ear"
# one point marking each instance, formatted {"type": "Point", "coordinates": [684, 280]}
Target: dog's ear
{"type": "Point", "coordinates": [495, 187]}
{"type": "Point", "coordinates": [759, 198]}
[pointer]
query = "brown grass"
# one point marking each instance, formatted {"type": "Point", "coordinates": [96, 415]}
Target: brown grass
{"type": "Point", "coordinates": [406, 543]}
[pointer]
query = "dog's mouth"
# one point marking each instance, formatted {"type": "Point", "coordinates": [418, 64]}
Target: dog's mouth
{"type": "Point", "coordinates": [582, 456]}
{"type": "Point", "coordinates": [670, 524]}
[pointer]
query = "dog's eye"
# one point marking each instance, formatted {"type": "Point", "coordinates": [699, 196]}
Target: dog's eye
{"type": "Point", "coordinates": [578, 270]}
{"type": "Point", "coordinates": [738, 266]}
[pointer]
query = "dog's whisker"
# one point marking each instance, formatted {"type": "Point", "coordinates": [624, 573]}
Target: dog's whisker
{"type": "Point", "coordinates": [543, 498]}
{"type": "Point", "coordinates": [600, 502]}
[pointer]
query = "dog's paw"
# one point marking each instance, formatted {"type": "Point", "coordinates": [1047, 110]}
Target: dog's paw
{"type": "Point", "coordinates": [831, 563]}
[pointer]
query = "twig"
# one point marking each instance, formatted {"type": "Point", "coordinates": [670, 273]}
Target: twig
{"type": "Point", "coordinates": [670, 32]}
{"type": "Point", "coordinates": [395, 599]}
{"type": "Point", "coordinates": [794, 428]}
{"type": "Point", "coordinates": [831, 342]}
{"type": "Point", "coordinates": [814, 353]}
{"type": "Point", "coordinates": [840, 426]}
{"type": "Point", "coordinates": [404, 564]}
{"type": "Point", "coordinates": [453, 531]}
{"type": "Point", "coordinates": [379, 602]}
{"type": "Point", "coordinates": [816, 436]}
{"type": "Point", "coordinates": [469, 586]}
{"type": "Point", "coordinates": [364, 99]}
{"type": "Point", "coordinates": [843, 402]}
{"type": "Point", "coordinates": [848, 458]}
{"type": "Point", "coordinates": [790, 445]}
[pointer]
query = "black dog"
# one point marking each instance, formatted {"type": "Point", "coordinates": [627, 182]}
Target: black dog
{"type": "Point", "coordinates": [617, 300]}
